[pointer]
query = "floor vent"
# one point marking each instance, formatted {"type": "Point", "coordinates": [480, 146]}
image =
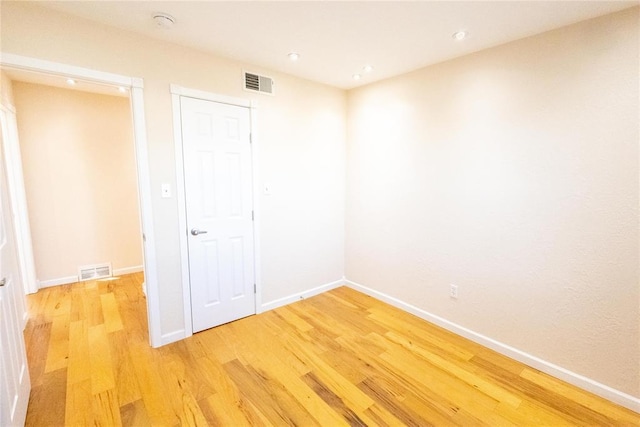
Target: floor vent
{"type": "Point", "coordinates": [257, 83]}
{"type": "Point", "coordinates": [93, 272]}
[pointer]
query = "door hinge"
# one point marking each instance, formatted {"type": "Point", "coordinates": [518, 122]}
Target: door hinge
{"type": "Point", "coordinates": [254, 288]}
{"type": "Point", "coordinates": [250, 138]}
{"type": "Point", "coordinates": [252, 216]}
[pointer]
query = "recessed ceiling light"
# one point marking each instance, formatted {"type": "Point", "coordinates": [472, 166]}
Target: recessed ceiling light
{"type": "Point", "coordinates": [367, 68]}
{"type": "Point", "coordinates": [356, 76]}
{"type": "Point", "coordinates": [164, 20]}
{"type": "Point", "coordinates": [71, 82]}
{"type": "Point", "coordinates": [460, 35]}
{"type": "Point", "coordinates": [293, 56]}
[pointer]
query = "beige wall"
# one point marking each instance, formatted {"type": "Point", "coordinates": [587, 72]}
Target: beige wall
{"type": "Point", "coordinates": [512, 173]}
{"type": "Point", "coordinates": [301, 140]}
{"type": "Point", "coordinates": [79, 170]}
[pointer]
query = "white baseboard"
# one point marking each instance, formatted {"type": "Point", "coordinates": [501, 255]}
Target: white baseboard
{"type": "Point", "coordinates": [56, 282]}
{"type": "Point", "coordinates": [301, 295]}
{"type": "Point", "coordinates": [609, 393]}
{"type": "Point", "coordinates": [127, 270]}
{"type": "Point", "coordinates": [173, 337]}
{"type": "Point", "coordinates": [72, 279]}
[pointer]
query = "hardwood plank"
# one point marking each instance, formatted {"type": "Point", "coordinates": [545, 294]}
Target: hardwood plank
{"type": "Point", "coordinates": [91, 304]}
{"type": "Point", "coordinates": [102, 377]}
{"type": "Point", "coordinates": [330, 379]}
{"type": "Point", "coordinates": [218, 413]}
{"type": "Point", "coordinates": [532, 415]}
{"type": "Point", "coordinates": [79, 408]}
{"type": "Point", "coordinates": [37, 338]}
{"type": "Point", "coordinates": [58, 352]}
{"type": "Point", "coordinates": [156, 401]}
{"type": "Point", "coordinates": [47, 402]}
{"type": "Point", "coordinates": [126, 382]}
{"type": "Point", "coordinates": [106, 409]}
{"type": "Point", "coordinates": [183, 402]}
{"type": "Point", "coordinates": [334, 401]}
{"type": "Point", "coordinates": [269, 396]}
{"type": "Point", "coordinates": [430, 404]}
{"type": "Point", "coordinates": [472, 379]}
{"type": "Point", "coordinates": [79, 368]}
{"type": "Point", "coordinates": [428, 337]}
{"type": "Point", "coordinates": [227, 405]}
{"type": "Point", "coordinates": [334, 359]}
{"type": "Point", "coordinates": [112, 320]}
{"type": "Point", "coordinates": [287, 369]}
{"type": "Point", "coordinates": [391, 400]}
{"type": "Point", "coordinates": [134, 414]}
{"type": "Point", "coordinates": [78, 310]}
{"type": "Point", "coordinates": [428, 375]}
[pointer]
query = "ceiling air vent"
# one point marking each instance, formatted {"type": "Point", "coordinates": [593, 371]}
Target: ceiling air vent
{"type": "Point", "coordinates": [93, 272]}
{"type": "Point", "coordinates": [257, 83]}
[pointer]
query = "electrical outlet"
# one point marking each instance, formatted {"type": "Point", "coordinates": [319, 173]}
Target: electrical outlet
{"type": "Point", "coordinates": [453, 291]}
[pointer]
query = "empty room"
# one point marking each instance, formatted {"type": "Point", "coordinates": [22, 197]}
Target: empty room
{"type": "Point", "coordinates": [337, 213]}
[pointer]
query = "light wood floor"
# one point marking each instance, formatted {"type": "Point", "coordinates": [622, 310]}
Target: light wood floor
{"type": "Point", "coordinates": [340, 358]}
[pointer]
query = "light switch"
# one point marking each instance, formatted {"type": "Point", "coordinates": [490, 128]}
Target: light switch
{"type": "Point", "coordinates": [166, 191]}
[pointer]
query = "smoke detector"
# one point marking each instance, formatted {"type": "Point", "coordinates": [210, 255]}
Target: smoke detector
{"type": "Point", "coordinates": [164, 20]}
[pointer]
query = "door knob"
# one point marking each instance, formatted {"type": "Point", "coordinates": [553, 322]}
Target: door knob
{"type": "Point", "coordinates": [3, 281]}
{"type": "Point", "coordinates": [195, 231]}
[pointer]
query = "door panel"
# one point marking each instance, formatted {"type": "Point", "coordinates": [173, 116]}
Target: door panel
{"type": "Point", "coordinates": [14, 372]}
{"type": "Point", "coordinates": [218, 194]}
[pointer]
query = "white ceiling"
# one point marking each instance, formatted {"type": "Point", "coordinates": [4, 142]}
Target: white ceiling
{"type": "Point", "coordinates": [335, 39]}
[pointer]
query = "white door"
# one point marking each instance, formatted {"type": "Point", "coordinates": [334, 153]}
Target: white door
{"type": "Point", "coordinates": [14, 372]}
{"type": "Point", "coordinates": [218, 193]}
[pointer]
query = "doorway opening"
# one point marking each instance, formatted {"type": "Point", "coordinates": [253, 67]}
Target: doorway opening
{"type": "Point", "coordinates": [78, 164]}
{"type": "Point", "coordinates": [49, 71]}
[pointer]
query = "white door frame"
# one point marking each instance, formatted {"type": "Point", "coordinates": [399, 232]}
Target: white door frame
{"type": "Point", "coordinates": [176, 93]}
{"type": "Point", "coordinates": [18, 198]}
{"type": "Point", "coordinates": [135, 86]}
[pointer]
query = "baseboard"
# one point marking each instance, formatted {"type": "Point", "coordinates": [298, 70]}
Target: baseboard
{"type": "Point", "coordinates": [602, 390]}
{"type": "Point", "coordinates": [172, 337]}
{"type": "Point", "coordinates": [72, 279]}
{"type": "Point", "coordinates": [56, 282]}
{"type": "Point", "coordinates": [127, 270]}
{"type": "Point", "coordinates": [301, 295]}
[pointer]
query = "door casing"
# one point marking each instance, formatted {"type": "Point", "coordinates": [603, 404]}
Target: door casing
{"type": "Point", "coordinates": [15, 184]}
{"type": "Point", "coordinates": [135, 86]}
{"type": "Point", "coordinates": [14, 370]}
{"type": "Point", "coordinates": [176, 93]}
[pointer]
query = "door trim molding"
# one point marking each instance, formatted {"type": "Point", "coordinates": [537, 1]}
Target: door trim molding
{"type": "Point", "coordinates": [176, 92]}
{"type": "Point", "coordinates": [135, 86]}
{"type": "Point", "coordinates": [18, 197]}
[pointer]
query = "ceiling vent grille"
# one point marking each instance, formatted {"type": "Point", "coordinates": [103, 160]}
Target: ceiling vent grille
{"type": "Point", "coordinates": [93, 272]}
{"type": "Point", "coordinates": [257, 83]}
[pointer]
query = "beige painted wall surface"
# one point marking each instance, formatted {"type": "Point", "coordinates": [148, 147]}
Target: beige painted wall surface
{"type": "Point", "coordinates": [301, 143]}
{"type": "Point", "coordinates": [79, 168]}
{"type": "Point", "coordinates": [512, 173]}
